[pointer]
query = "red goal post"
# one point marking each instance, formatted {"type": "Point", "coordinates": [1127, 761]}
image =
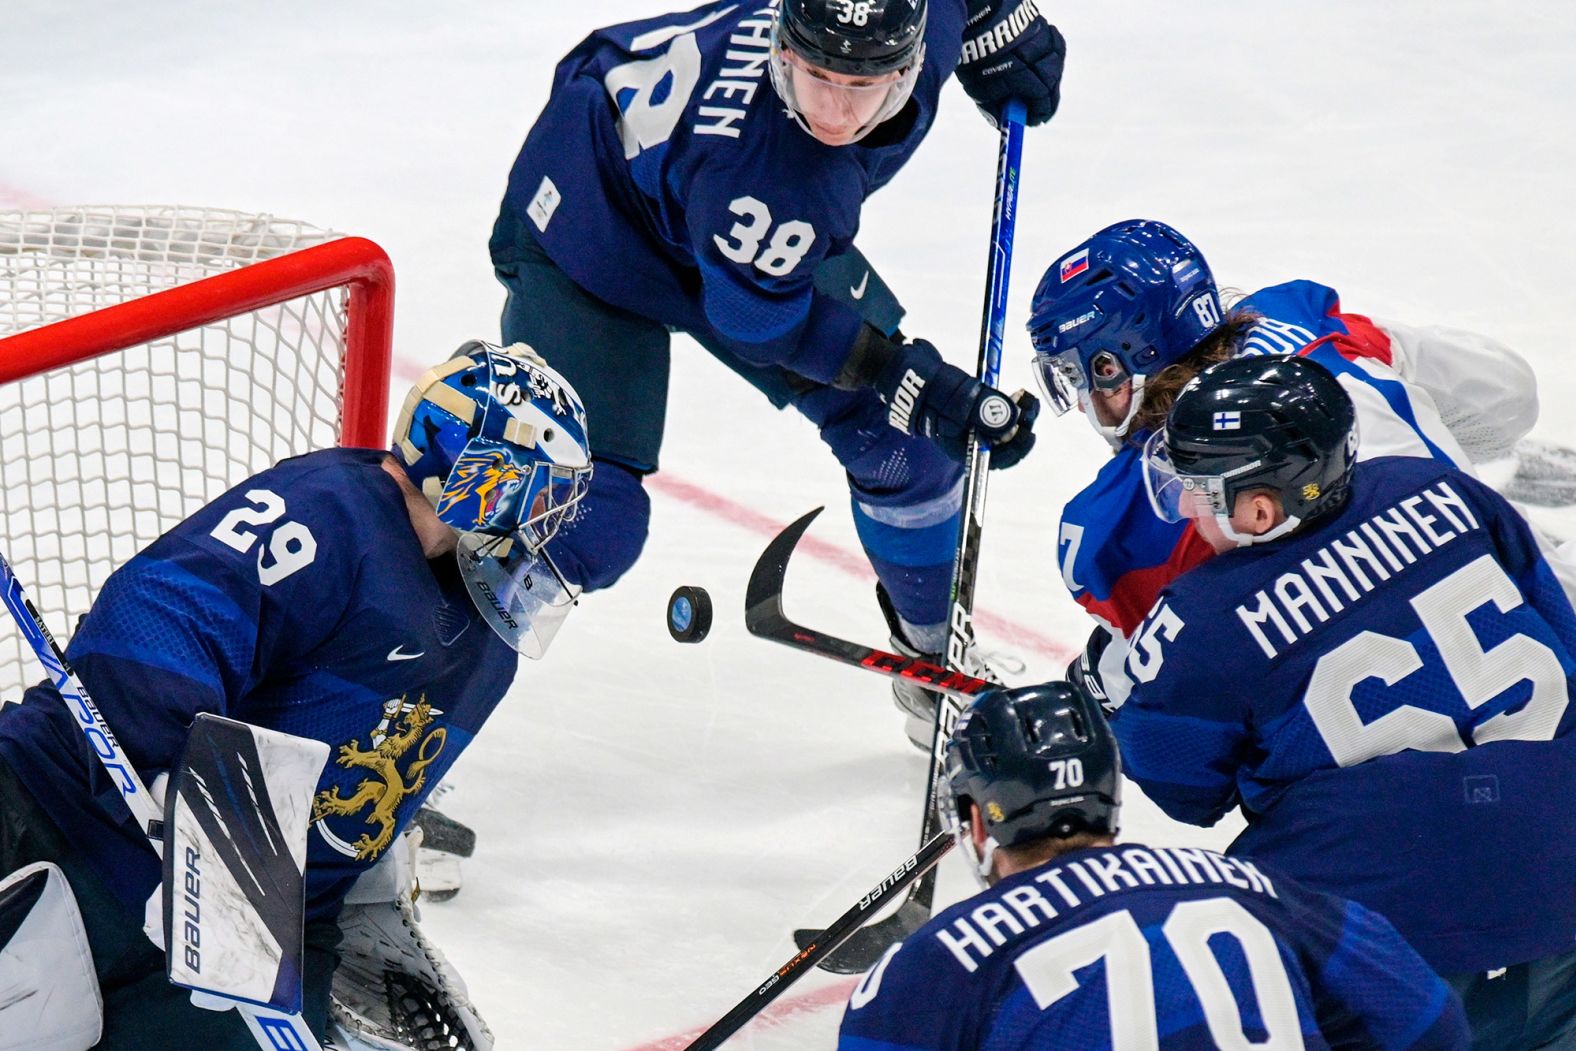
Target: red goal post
{"type": "Point", "coordinates": [153, 357]}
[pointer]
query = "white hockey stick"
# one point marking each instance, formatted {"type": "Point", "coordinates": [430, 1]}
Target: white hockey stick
{"type": "Point", "coordinates": [273, 1030]}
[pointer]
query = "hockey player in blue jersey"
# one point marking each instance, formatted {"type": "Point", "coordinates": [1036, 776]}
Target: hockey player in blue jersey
{"type": "Point", "coordinates": [704, 172]}
{"type": "Point", "coordinates": [1079, 944]}
{"type": "Point", "coordinates": [373, 601]}
{"type": "Point", "coordinates": [1124, 319]}
{"type": "Point", "coordinates": [1376, 668]}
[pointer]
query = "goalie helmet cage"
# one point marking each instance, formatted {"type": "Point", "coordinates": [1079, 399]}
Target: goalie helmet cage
{"type": "Point", "coordinates": [153, 357]}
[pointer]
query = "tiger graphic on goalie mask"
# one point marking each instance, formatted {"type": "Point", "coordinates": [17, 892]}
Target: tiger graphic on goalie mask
{"type": "Point", "coordinates": [488, 477]}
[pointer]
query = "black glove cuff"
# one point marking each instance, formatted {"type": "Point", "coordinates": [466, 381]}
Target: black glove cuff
{"type": "Point", "coordinates": [871, 353]}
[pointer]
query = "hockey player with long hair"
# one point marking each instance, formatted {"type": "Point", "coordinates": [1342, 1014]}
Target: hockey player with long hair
{"type": "Point", "coordinates": [1123, 320]}
{"type": "Point", "coordinates": [1376, 668]}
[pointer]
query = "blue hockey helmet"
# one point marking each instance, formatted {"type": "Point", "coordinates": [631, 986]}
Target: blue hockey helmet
{"type": "Point", "coordinates": [1283, 423]}
{"type": "Point", "coordinates": [496, 440]}
{"type": "Point", "coordinates": [1039, 761]}
{"type": "Point", "coordinates": [1131, 300]}
{"type": "Point", "coordinates": [842, 68]}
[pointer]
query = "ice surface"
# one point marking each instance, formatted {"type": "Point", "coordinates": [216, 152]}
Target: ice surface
{"type": "Point", "coordinates": [655, 819]}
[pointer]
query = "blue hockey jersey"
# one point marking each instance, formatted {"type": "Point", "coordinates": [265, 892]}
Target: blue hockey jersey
{"type": "Point", "coordinates": [666, 177]}
{"type": "Point", "coordinates": [1166, 948]}
{"type": "Point", "coordinates": [1386, 694]}
{"type": "Point", "coordinates": [299, 601]}
{"type": "Point", "coordinates": [1115, 555]}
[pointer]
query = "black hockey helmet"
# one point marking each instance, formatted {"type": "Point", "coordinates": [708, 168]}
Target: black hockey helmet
{"type": "Point", "coordinates": [1039, 760]}
{"type": "Point", "coordinates": [842, 67]}
{"type": "Point", "coordinates": [1279, 423]}
{"type": "Point", "coordinates": [868, 38]}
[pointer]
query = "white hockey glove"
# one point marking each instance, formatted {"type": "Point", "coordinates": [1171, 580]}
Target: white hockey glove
{"type": "Point", "coordinates": [394, 991]}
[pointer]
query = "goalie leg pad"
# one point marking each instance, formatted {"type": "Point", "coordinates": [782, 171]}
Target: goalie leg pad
{"type": "Point", "coordinates": [49, 991]}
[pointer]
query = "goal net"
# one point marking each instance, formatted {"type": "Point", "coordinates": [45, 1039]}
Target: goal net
{"type": "Point", "coordinates": [150, 359]}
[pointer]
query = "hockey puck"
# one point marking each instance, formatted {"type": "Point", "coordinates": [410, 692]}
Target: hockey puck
{"type": "Point", "coordinates": [689, 614]}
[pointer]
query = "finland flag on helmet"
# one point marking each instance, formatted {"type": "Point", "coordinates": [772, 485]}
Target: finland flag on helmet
{"type": "Point", "coordinates": [497, 441]}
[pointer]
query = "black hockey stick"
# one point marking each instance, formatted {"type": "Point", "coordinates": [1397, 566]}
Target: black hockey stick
{"type": "Point", "coordinates": [764, 618]}
{"type": "Point", "coordinates": [918, 864]}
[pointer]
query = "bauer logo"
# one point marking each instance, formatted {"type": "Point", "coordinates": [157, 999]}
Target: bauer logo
{"type": "Point", "coordinates": [1075, 322]}
{"type": "Point", "coordinates": [191, 925]}
{"type": "Point", "coordinates": [1074, 265]}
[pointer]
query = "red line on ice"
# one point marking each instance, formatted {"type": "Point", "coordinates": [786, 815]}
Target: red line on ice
{"type": "Point", "coordinates": [852, 563]}
{"type": "Point", "coordinates": [781, 1011]}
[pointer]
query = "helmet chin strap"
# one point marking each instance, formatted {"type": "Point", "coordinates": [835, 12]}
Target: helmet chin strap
{"type": "Point", "coordinates": [1115, 436]}
{"type": "Point", "coordinates": [1249, 539]}
{"type": "Point", "coordinates": [982, 861]}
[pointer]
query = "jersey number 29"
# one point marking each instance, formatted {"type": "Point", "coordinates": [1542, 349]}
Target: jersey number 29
{"type": "Point", "coordinates": [290, 545]}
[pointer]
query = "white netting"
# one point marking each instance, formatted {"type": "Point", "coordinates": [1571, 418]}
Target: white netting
{"type": "Point", "coordinates": [103, 456]}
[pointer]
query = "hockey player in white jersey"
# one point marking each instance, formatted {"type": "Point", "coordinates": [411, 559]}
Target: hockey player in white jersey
{"type": "Point", "coordinates": [376, 601]}
{"type": "Point", "coordinates": [1123, 320]}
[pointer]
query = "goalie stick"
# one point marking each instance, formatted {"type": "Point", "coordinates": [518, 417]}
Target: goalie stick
{"type": "Point", "coordinates": [916, 867]}
{"type": "Point", "coordinates": [274, 1030]}
{"type": "Point", "coordinates": [859, 956]}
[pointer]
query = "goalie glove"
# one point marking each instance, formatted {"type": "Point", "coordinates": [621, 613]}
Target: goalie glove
{"type": "Point", "coordinates": [394, 990]}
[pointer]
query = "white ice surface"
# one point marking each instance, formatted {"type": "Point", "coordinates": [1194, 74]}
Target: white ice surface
{"type": "Point", "coordinates": [653, 818]}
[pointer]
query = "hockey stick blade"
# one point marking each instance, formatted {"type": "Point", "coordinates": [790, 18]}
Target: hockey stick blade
{"type": "Point", "coordinates": [764, 618]}
{"type": "Point", "coordinates": [813, 954]}
{"type": "Point", "coordinates": [868, 944]}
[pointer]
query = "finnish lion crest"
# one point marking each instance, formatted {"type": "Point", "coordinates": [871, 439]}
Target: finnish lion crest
{"type": "Point", "coordinates": [403, 726]}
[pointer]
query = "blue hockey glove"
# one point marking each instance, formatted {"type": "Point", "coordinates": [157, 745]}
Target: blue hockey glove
{"type": "Point", "coordinates": [1011, 51]}
{"type": "Point", "coordinates": [926, 396]}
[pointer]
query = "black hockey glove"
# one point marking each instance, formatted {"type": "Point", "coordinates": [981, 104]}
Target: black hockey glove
{"type": "Point", "coordinates": [926, 396]}
{"type": "Point", "coordinates": [1084, 671]}
{"type": "Point", "coordinates": [1011, 51]}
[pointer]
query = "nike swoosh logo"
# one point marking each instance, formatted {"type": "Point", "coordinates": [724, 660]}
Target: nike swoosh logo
{"type": "Point", "coordinates": [858, 291]}
{"type": "Point", "coordinates": [396, 655]}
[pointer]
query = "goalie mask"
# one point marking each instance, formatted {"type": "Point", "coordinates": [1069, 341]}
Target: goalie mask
{"type": "Point", "coordinates": [496, 440]}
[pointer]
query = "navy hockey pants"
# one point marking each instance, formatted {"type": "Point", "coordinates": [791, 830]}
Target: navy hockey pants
{"type": "Point", "coordinates": [906, 494]}
{"type": "Point", "coordinates": [142, 1010]}
{"type": "Point", "coordinates": [1530, 1005]}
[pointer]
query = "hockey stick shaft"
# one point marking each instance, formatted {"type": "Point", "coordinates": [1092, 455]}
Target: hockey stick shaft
{"type": "Point", "coordinates": [273, 1030]}
{"type": "Point", "coordinates": [763, 606]}
{"type": "Point", "coordinates": [101, 740]}
{"type": "Point", "coordinates": [960, 623]}
{"type": "Point", "coordinates": [801, 963]}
